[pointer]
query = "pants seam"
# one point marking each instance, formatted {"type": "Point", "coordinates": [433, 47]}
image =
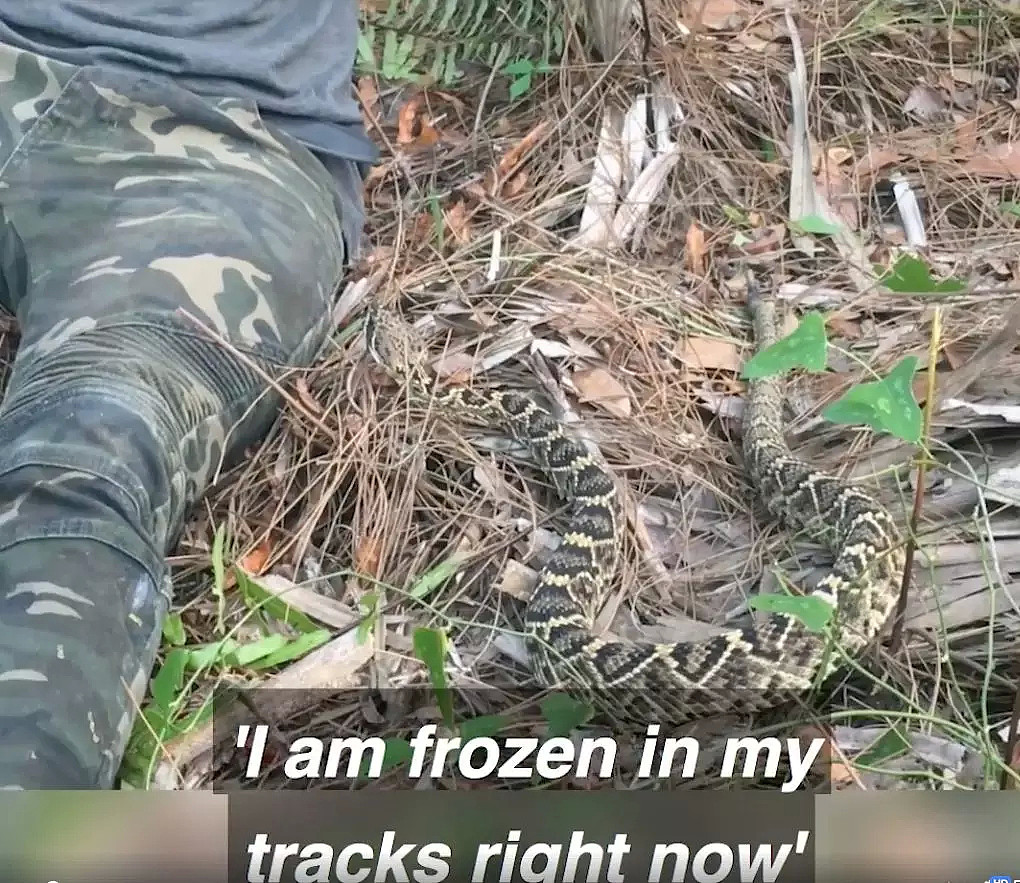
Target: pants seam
{"type": "Point", "coordinates": [38, 123]}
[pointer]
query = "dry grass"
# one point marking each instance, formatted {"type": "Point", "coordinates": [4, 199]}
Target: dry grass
{"type": "Point", "coordinates": [360, 492]}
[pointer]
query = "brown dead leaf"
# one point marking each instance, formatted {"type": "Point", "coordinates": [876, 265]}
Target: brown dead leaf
{"type": "Point", "coordinates": [696, 249]}
{"type": "Point", "coordinates": [717, 15]}
{"type": "Point", "coordinates": [840, 193]}
{"type": "Point", "coordinates": [765, 239]}
{"type": "Point", "coordinates": [423, 228]}
{"type": "Point", "coordinates": [458, 221]}
{"type": "Point", "coordinates": [367, 556]}
{"type": "Point", "coordinates": [839, 155]}
{"type": "Point", "coordinates": [1000, 161]}
{"type": "Point", "coordinates": [255, 561]}
{"type": "Point", "coordinates": [414, 130]}
{"type": "Point", "coordinates": [517, 580]}
{"type": "Point", "coordinates": [954, 355]}
{"type": "Point", "coordinates": [456, 367]}
{"type": "Point", "coordinates": [874, 161]}
{"type": "Point", "coordinates": [523, 147]}
{"type": "Point", "coordinates": [925, 102]}
{"type": "Point", "coordinates": [710, 353]}
{"type": "Point", "coordinates": [368, 98]}
{"type": "Point", "coordinates": [845, 328]}
{"type": "Point", "coordinates": [965, 135]}
{"type": "Point", "coordinates": [515, 185]}
{"type": "Point", "coordinates": [598, 386]}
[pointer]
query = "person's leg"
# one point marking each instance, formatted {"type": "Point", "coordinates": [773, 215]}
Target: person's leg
{"type": "Point", "coordinates": [175, 253]}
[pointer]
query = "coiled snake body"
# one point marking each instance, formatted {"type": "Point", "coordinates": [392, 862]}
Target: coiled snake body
{"type": "Point", "coordinates": [742, 669]}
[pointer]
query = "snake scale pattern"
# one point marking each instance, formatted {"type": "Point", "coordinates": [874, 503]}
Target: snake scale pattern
{"type": "Point", "coordinates": [738, 670]}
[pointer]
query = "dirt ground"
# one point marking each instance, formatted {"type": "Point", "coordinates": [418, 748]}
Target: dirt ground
{"type": "Point", "coordinates": [542, 243]}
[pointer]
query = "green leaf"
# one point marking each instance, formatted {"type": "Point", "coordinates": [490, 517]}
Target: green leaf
{"type": "Point", "coordinates": [430, 646]}
{"type": "Point", "coordinates": [523, 66]}
{"type": "Point", "coordinates": [910, 275]}
{"type": "Point", "coordinates": [245, 654]}
{"type": "Point", "coordinates": [564, 714]}
{"type": "Point", "coordinates": [258, 598]}
{"type": "Point", "coordinates": [369, 607]}
{"type": "Point", "coordinates": [816, 225]}
{"type": "Point", "coordinates": [365, 54]}
{"type": "Point", "coordinates": [520, 86]}
{"type": "Point", "coordinates": [293, 649]}
{"type": "Point", "coordinates": [173, 630]}
{"type": "Point", "coordinates": [812, 611]}
{"type": "Point", "coordinates": [886, 405]}
{"type": "Point", "coordinates": [397, 751]}
{"type": "Point", "coordinates": [432, 579]}
{"type": "Point", "coordinates": [204, 656]}
{"type": "Point", "coordinates": [486, 725]}
{"type": "Point", "coordinates": [890, 744]}
{"type": "Point", "coordinates": [168, 681]}
{"type": "Point", "coordinates": [1011, 208]}
{"type": "Point", "coordinates": [152, 728]}
{"type": "Point", "coordinates": [804, 347]}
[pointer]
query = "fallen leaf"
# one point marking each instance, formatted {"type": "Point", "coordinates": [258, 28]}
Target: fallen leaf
{"type": "Point", "coordinates": [839, 192]}
{"type": "Point", "coordinates": [423, 228]}
{"type": "Point", "coordinates": [716, 15]}
{"type": "Point", "coordinates": [844, 328]}
{"type": "Point", "coordinates": [516, 153]}
{"type": "Point", "coordinates": [255, 561]}
{"type": "Point", "coordinates": [696, 249]}
{"type": "Point", "coordinates": [965, 134]}
{"type": "Point", "coordinates": [367, 556]}
{"type": "Point", "coordinates": [406, 118]}
{"type": "Point", "coordinates": [414, 130]}
{"type": "Point", "coordinates": [839, 155]}
{"type": "Point", "coordinates": [874, 161]}
{"type": "Point", "coordinates": [954, 356]}
{"type": "Point", "coordinates": [764, 239]}
{"type": "Point", "coordinates": [455, 367]}
{"type": "Point", "coordinates": [710, 353]}
{"type": "Point", "coordinates": [458, 222]}
{"type": "Point", "coordinates": [515, 185]}
{"type": "Point", "coordinates": [517, 580]}
{"type": "Point", "coordinates": [1000, 161]}
{"type": "Point", "coordinates": [368, 97]}
{"type": "Point", "coordinates": [599, 387]}
{"type": "Point", "coordinates": [924, 102]}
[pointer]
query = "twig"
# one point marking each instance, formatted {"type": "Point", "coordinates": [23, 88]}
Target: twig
{"type": "Point", "coordinates": [896, 639]}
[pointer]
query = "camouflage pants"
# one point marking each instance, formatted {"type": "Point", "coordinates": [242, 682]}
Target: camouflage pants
{"type": "Point", "coordinates": [164, 255]}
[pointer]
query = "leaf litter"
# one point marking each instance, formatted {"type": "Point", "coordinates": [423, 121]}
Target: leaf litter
{"type": "Point", "coordinates": [620, 289]}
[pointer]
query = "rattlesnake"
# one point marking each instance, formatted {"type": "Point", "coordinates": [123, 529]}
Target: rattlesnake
{"type": "Point", "coordinates": [740, 669]}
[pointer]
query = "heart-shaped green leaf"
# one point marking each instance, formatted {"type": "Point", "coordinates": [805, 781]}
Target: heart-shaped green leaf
{"type": "Point", "coordinates": [804, 347]}
{"type": "Point", "coordinates": [910, 275]}
{"type": "Point", "coordinates": [886, 405]}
